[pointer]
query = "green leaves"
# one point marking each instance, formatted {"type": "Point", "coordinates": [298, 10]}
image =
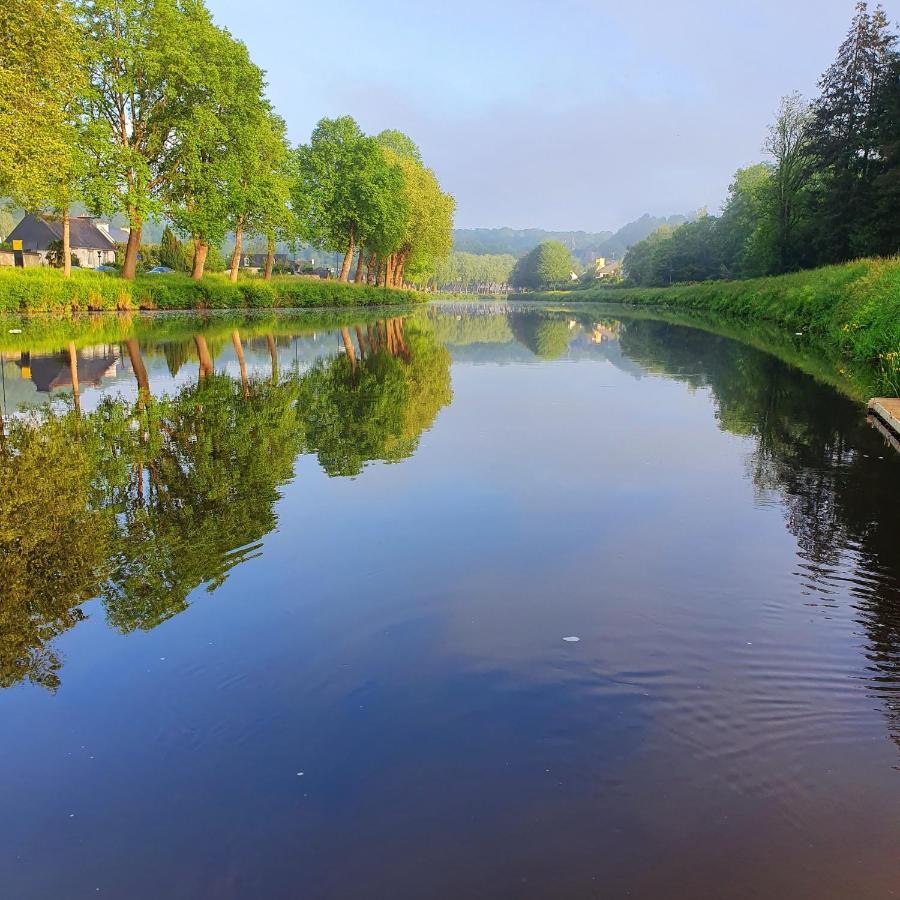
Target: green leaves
{"type": "Point", "coordinates": [549, 265]}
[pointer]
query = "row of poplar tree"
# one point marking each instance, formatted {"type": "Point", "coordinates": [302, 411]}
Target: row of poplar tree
{"type": "Point", "coordinates": [830, 191]}
{"type": "Point", "coordinates": [148, 108]}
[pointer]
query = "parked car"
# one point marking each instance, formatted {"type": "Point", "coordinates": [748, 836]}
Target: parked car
{"type": "Point", "coordinates": [160, 270]}
{"type": "Point", "coordinates": [106, 269]}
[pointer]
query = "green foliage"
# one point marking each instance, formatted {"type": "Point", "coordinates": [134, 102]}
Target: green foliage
{"type": "Point", "coordinates": [546, 336]}
{"type": "Point", "coordinates": [854, 308]}
{"type": "Point", "coordinates": [339, 185]}
{"type": "Point", "coordinates": [45, 290]}
{"type": "Point", "coordinates": [549, 265]}
{"type": "Point", "coordinates": [52, 562]}
{"type": "Point", "coordinates": [41, 81]}
{"type": "Point", "coordinates": [483, 273]}
{"type": "Point", "coordinates": [172, 252]}
{"type": "Point", "coordinates": [829, 192]}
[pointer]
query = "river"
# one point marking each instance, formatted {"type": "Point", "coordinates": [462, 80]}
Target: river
{"type": "Point", "coordinates": [471, 602]}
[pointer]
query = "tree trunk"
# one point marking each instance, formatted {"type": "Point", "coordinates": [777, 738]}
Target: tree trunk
{"type": "Point", "coordinates": [270, 257]}
{"type": "Point", "coordinates": [273, 353]}
{"type": "Point", "coordinates": [73, 368]}
{"type": "Point", "coordinates": [206, 364]}
{"type": "Point", "coordinates": [370, 268]}
{"type": "Point", "coordinates": [348, 259]}
{"type": "Point", "coordinates": [239, 352]}
{"type": "Point", "coordinates": [389, 271]}
{"type": "Point", "coordinates": [132, 248]}
{"type": "Point", "coordinates": [236, 256]}
{"type": "Point", "coordinates": [66, 244]}
{"type": "Point", "coordinates": [379, 277]}
{"type": "Point", "coordinates": [348, 346]}
{"type": "Point", "coordinates": [361, 341]}
{"type": "Point", "coordinates": [201, 248]}
{"type": "Point", "coordinates": [357, 278]}
{"type": "Point", "coordinates": [137, 365]}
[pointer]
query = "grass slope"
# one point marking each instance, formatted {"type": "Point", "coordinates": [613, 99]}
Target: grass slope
{"type": "Point", "coordinates": [853, 308]}
{"type": "Point", "coordinates": [45, 290]}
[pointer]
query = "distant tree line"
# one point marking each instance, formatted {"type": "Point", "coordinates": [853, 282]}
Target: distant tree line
{"type": "Point", "coordinates": [473, 272]}
{"type": "Point", "coordinates": [146, 108]}
{"type": "Point", "coordinates": [828, 192]}
{"type": "Point", "coordinates": [585, 246]}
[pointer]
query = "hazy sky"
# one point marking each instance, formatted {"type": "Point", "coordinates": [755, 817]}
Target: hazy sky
{"type": "Point", "coordinates": [560, 114]}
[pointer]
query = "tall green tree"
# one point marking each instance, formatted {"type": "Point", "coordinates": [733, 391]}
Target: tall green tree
{"type": "Point", "coordinates": [42, 83]}
{"type": "Point", "coordinates": [788, 144]}
{"type": "Point", "coordinates": [844, 133]}
{"type": "Point", "coordinates": [221, 118]}
{"type": "Point", "coordinates": [139, 50]}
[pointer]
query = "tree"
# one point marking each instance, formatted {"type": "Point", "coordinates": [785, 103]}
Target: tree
{"type": "Point", "coordinates": [171, 252]}
{"type": "Point", "coordinates": [401, 144]}
{"type": "Point", "coordinates": [789, 146]}
{"type": "Point", "coordinates": [427, 234]}
{"type": "Point", "coordinates": [260, 192]}
{"type": "Point", "coordinates": [221, 118]}
{"type": "Point", "coordinates": [844, 133]}
{"type": "Point", "coordinates": [336, 186]}
{"type": "Point", "coordinates": [745, 228]}
{"type": "Point", "coordinates": [41, 84]}
{"type": "Point", "coordinates": [885, 213]}
{"type": "Point", "coordinates": [549, 265]}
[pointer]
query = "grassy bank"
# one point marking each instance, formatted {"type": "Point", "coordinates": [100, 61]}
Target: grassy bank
{"type": "Point", "coordinates": [45, 290]}
{"type": "Point", "coordinates": [854, 309]}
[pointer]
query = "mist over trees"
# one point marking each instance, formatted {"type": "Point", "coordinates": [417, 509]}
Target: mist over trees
{"type": "Point", "coordinates": [585, 246]}
{"type": "Point", "coordinates": [828, 191]}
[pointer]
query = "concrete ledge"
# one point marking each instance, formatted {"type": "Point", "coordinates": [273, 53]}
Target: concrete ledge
{"type": "Point", "coordinates": [887, 411]}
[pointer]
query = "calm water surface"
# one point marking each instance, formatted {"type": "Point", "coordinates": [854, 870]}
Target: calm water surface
{"type": "Point", "coordinates": [284, 606]}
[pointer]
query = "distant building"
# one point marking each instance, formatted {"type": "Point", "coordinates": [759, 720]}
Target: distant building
{"type": "Point", "coordinates": [603, 269]}
{"type": "Point", "coordinates": [257, 261]}
{"type": "Point", "coordinates": [91, 242]}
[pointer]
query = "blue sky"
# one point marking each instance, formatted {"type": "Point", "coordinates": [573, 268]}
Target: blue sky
{"type": "Point", "coordinates": [562, 115]}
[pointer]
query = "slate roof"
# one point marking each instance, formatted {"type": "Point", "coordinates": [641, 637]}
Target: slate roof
{"type": "Point", "coordinates": [38, 232]}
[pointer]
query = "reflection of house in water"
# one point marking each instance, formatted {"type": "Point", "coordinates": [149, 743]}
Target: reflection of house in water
{"type": "Point", "coordinates": [602, 332]}
{"type": "Point", "coordinates": [52, 372]}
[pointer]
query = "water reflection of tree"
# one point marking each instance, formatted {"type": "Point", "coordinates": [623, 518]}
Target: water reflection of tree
{"type": "Point", "coordinates": [546, 335]}
{"type": "Point", "coordinates": [374, 403]}
{"type": "Point", "coordinates": [53, 541]}
{"type": "Point", "coordinates": [810, 449]}
{"type": "Point", "coordinates": [141, 503]}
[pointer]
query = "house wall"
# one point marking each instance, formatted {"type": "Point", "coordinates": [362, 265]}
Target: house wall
{"type": "Point", "coordinates": [30, 258]}
{"type": "Point", "coordinates": [87, 259]}
{"type": "Point", "coordinates": [90, 259]}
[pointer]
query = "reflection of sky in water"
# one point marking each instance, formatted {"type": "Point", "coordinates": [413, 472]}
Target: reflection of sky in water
{"type": "Point", "coordinates": [722, 728]}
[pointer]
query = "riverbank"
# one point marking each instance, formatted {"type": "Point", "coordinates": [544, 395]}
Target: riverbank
{"type": "Point", "coordinates": [46, 290]}
{"type": "Point", "coordinates": [854, 308]}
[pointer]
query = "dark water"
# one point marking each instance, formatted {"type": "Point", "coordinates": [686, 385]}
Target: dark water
{"type": "Point", "coordinates": [301, 633]}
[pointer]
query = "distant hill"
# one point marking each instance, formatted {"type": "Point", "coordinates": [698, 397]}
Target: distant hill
{"type": "Point", "coordinates": [584, 245]}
